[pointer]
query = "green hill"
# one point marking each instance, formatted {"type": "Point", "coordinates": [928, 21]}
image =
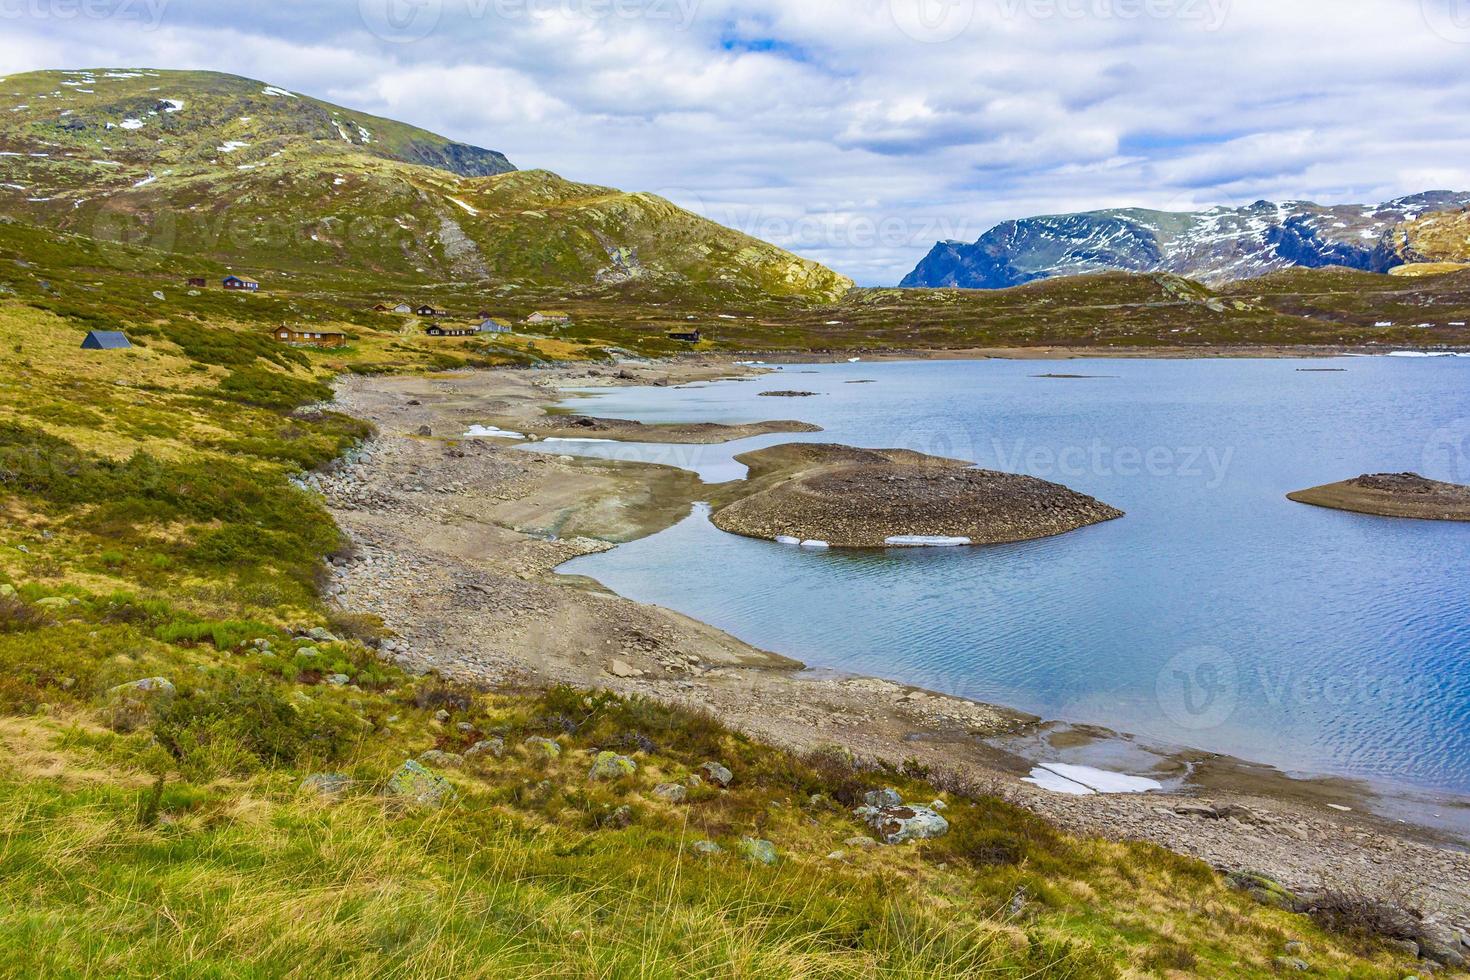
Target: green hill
{"type": "Point", "coordinates": [242, 172]}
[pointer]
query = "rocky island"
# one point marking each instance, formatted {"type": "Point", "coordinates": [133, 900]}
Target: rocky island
{"type": "Point", "coordinates": [824, 495]}
{"type": "Point", "coordinates": [1392, 495]}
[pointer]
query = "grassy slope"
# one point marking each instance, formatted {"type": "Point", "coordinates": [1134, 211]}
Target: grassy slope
{"type": "Point", "coordinates": [151, 529]}
{"type": "Point", "coordinates": [289, 183]}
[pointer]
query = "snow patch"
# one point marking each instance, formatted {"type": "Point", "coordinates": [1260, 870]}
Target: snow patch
{"type": "Point", "coordinates": [815, 544]}
{"type": "Point", "coordinates": [1060, 777]}
{"type": "Point", "coordinates": [491, 432]}
{"type": "Point", "coordinates": [146, 181]}
{"type": "Point", "coordinates": [787, 539]}
{"type": "Point", "coordinates": [273, 90]}
{"type": "Point", "coordinates": [467, 208]}
{"type": "Point", "coordinates": [171, 105]}
{"type": "Point", "coordinates": [230, 146]}
{"type": "Point", "coordinates": [132, 124]}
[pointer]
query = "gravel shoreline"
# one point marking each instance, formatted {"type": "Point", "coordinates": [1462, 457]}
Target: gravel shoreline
{"type": "Point", "coordinates": [456, 543]}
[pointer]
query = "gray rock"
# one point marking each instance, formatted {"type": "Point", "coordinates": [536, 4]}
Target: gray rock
{"type": "Point", "coordinates": [438, 757]}
{"type": "Point", "coordinates": [137, 703]}
{"type": "Point", "coordinates": [441, 716]}
{"type": "Point", "coordinates": [672, 792]}
{"type": "Point", "coordinates": [308, 652]}
{"type": "Point", "coordinates": [717, 774]}
{"type": "Point", "coordinates": [1296, 948]}
{"type": "Point", "coordinates": [7, 591]}
{"type": "Point", "coordinates": [417, 784]}
{"type": "Point", "coordinates": [1440, 943]}
{"type": "Point", "coordinates": [759, 851]}
{"type": "Point", "coordinates": [863, 842]}
{"type": "Point", "coordinates": [543, 747]}
{"type": "Point", "coordinates": [706, 847]}
{"type": "Point", "coordinates": [322, 635]}
{"type": "Point", "coordinates": [328, 785]}
{"type": "Point", "coordinates": [493, 747]}
{"type": "Point", "coordinates": [1292, 964]}
{"type": "Point", "coordinates": [882, 797]}
{"type": "Point", "coordinates": [900, 824]}
{"type": "Point", "coordinates": [610, 765]}
{"type": "Point", "coordinates": [339, 680]}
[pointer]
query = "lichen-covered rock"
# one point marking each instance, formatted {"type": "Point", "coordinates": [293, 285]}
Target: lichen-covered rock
{"type": "Point", "coordinates": [1263, 889]}
{"type": "Point", "coordinates": [900, 824]}
{"type": "Point", "coordinates": [758, 851]}
{"type": "Point", "coordinates": [610, 765]}
{"type": "Point", "coordinates": [438, 757]}
{"type": "Point", "coordinates": [706, 847]}
{"type": "Point", "coordinates": [328, 785]}
{"type": "Point", "coordinates": [672, 792]}
{"type": "Point", "coordinates": [543, 748]}
{"type": "Point", "coordinates": [882, 797]}
{"type": "Point", "coordinates": [415, 783]}
{"type": "Point", "coordinates": [717, 774]}
{"type": "Point", "coordinates": [487, 748]}
{"type": "Point", "coordinates": [135, 704]}
{"type": "Point", "coordinates": [7, 591]}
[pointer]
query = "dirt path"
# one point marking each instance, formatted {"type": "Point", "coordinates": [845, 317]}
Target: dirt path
{"type": "Point", "coordinates": [457, 541]}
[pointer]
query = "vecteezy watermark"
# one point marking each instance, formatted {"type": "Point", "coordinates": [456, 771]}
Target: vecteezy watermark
{"type": "Point", "coordinates": [1209, 14]}
{"type": "Point", "coordinates": [1447, 453]}
{"type": "Point", "coordinates": [148, 13]}
{"type": "Point", "coordinates": [401, 21]}
{"type": "Point", "coordinates": [932, 21]}
{"type": "Point", "coordinates": [1450, 19]}
{"type": "Point", "coordinates": [407, 21]}
{"type": "Point", "coordinates": [1098, 459]}
{"type": "Point", "coordinates": [1197, 689]}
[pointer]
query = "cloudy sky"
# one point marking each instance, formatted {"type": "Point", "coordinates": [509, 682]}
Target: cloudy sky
{"type": "Point", "coordinates": [857, 132]}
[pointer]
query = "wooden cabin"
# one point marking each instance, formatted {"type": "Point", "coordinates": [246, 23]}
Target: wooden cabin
{"type": "Point", "coordinates": [689, 335]}
{"type": "Point", "coordinates": [308, 338]}
{"type": "Point", "coordinates": [452, 331]}
{"type": "Point", "coordinates": [491, 325]}
{"type": "Point", "coordinates": [197, 282]}
{"type": "Point", "coordinates": [549, 316]}
{"type": "Point", "coordinates": [241, 282]}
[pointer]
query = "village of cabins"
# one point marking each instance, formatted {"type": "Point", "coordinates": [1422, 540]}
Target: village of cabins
{"type": "Point", "coordinates": [482, 322]}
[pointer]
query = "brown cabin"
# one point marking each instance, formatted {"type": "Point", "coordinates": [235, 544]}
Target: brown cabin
{"type": "Point", "coordinates": [454, 331]}
{"type": "Point", "coordinates": [240, 282]}
{"type": "Point", "coordinates": [197, 282]}
{"type": "Point", "coordinates": [308, 338]}
{"type": "Point", "coordinates": [427, 310]}
{"type": "Point", "coordinates": [688, 336]}
{"type": "Point", "coordinates": [382, 308]}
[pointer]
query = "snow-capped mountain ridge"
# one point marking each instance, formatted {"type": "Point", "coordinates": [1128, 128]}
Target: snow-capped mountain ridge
{"type": "Point", "coordinates": [1217, 245]}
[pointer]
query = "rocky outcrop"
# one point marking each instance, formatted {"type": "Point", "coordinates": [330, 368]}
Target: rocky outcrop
{"type": "Point", "coordinates": [1392, 495]}
{"type": "Point", "coordinates": [822, 495]}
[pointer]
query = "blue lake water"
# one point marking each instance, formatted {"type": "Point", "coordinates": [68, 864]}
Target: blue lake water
{"type": "Point", "coordinates": [1216, 614]}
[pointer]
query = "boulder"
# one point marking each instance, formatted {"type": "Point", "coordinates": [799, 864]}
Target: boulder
{"type": "Point", "coordinates": [54, 602]}
{"type": "Point", "coordinates": [7, 591]}
{"type": "Point", "coordinates": [900, 824]}
{"type": "Point", "coordinates": [1291, 964]}
{"type": "Point", "coordinates": [621, 668]}
{"type": "Point", "coordinates": [322, 635]}
{"type": "Point", "coordinates": [492, 747]}
{"type": "Point", "coordinates": [1440, 943]}
{"type": "Point", "coordinates": [758, 851]}
{"type": "Point", "coordinates": [543, 747]}
{"type": "Point", "coordinates": [706, 847]}
{"type": "Point", "coordinates": [717, 774]}
{"type": "Point", "coordinates": [863, 842]}
{"type": "Point", "coordinates": [882, 797]}
{"type": "Point", "coordinates": [327, 785]}
{"type": "Point", "coordinates": [135, 704]}
{"type": "Point", "coordinates": [438, 757]}
{"type": "Point", "coordinates": [671, 792]}
{"type": "Point", "coordinates": [610, 765]}
{"type": "Point", "coordinates": [1263, 889]}
{"type": "Point", "coordinates": [415, 783]}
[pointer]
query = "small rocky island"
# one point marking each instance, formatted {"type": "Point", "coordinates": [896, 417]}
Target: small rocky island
{"type": "Point", "coordinates": [1392, 495]}
{"type": "Point", "coordinates": [824, 495]}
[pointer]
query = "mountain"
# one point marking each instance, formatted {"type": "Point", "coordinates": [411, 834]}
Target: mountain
{"type": "Point", "coordinates": [1215, 246]}
{"type": "Point", "coordinates": [243, 172]}
{"type": "Point", "coordinates": [1438, 239]}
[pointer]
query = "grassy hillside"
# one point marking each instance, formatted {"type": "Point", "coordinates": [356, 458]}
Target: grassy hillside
{"type": "Point", "coordinates": [237, 171]}
{"type": "Point", "coordinates": [151, 529]}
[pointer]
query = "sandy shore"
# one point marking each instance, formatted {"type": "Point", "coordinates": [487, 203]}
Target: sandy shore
{"type": "Point", "coordinates": [456, 546]}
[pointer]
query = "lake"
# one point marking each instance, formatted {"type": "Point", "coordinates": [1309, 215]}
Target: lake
{"type": "Point", "coordinates": [1216, 614]}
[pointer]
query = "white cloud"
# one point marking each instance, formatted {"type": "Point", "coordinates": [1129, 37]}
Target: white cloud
{"type": "Point", "coordinates": [833, 127]}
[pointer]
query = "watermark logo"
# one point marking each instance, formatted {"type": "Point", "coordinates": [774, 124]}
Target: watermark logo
{"type": "Point", "coordinates": [1450, 19]}
{"type": "Point", "coordinates": [148, 13]}
{"type": "Point", "coordinates": [938, 435]}
{"type": "Point", "coordinates": [932, 21]}
{"type": "Point", "coordinates": [1198, 688]}
{"type": "Point", "coordinates": [1098, 459]}
{"type": "Point", "coordinates": [1447, 453]}
{"type": "Point", "coordinates": [1208, 14]}
{"type": "Point", "coordinates": [400, 21]}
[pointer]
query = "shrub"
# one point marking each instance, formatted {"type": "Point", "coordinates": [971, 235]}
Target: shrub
{"type": "Point", "coordinates": [19, 616]}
